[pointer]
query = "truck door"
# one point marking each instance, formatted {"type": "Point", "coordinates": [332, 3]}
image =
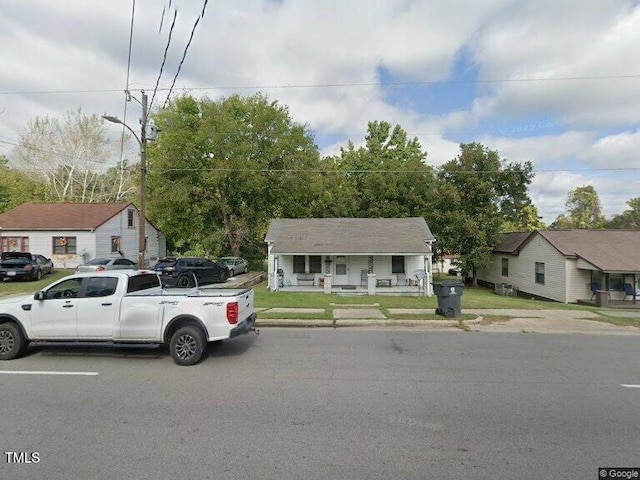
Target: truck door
{"type": "Point", "coordinates": [98, 309]}
{"type": "Point", "coordinates": [55, 317]}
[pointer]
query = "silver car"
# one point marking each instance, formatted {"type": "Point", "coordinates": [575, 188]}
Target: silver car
{"type": "Point", "coordinates": [235, 265]}
{"type": "Point", "coordinates": [101, 264]}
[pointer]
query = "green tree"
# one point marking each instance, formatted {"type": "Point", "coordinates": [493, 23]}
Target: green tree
{"type": "Point", "coordinates": [17, 187]}
{"type": "Point", "coordinates": [220, 170]}
{"type": "Point", "coordinates": [629, 219]}
{"type": "Point", "coordinates": [584, 209]}
{"type": "Point", "coordinates": [387, 177]}
{"type": "Point", "coordinates": [477, 196]}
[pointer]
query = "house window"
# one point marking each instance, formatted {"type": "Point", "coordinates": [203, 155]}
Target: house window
{"type": "Point", "coordinates": [14, 244]}
{"type": "Point", "coordinates": [615, 281]}
{"type": "Point", "coordinates": [115, 245]}
{"type": "Point", "coordinates": [130, 218]}
{"type": "Point", "coordinates": [315, 264]}
{"type": "Point", "coordinates": [64, 245]}
{"type": "Point", "coordinates": [397, 264]}
{"type": "Point", "coordinates": [298, 264]}
{"type": "Point", "coordinates": [540, 273]}
{"type": "Point", "coordinates": [505, 267]}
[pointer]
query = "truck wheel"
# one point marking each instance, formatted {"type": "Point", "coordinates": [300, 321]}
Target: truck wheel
{"type": "Point", "coordinates": [183, 281]}
{"type": "Point", "coordinates": [12, 342]}
{"type": "Point", "coordinates": [187, 345]}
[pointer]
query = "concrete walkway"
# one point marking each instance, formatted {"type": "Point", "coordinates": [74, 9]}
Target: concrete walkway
{"type": "Point", "coordinates": [529, 321]}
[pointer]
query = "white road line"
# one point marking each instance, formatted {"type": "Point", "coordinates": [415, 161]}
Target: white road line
{"type": "Point", "coordinates": [26, 372]}
{"type": "Point", "coordinates": [629, 386]}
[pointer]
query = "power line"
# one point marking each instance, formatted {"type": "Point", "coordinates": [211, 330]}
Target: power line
{"type": "Point", "coordinates": [184, 55]}
{"type": "Point", "coordinates": [348, 85]}
{"type": "Point", "coordinates": [164, 59]}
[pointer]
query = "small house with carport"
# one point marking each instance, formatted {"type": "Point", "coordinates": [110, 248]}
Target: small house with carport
{"type": "Point", "coordinates": [367, 255]}
{"type": "Point", "coordinates": [567, 265]}
{"type": "Point", "coordinates": [73, 233]}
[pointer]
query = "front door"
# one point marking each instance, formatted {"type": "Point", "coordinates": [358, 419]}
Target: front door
{"type": "Point", "coordinates": [341, 276]}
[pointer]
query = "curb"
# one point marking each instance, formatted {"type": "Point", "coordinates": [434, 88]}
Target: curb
{"type": "Point", "coordinates": [274, 322]}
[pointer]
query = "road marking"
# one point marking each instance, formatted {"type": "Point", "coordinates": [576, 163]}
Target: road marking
{"type": "Point", "coordinates": [629, 386]}
{"type": "Point", "coordinates": [26, 372]}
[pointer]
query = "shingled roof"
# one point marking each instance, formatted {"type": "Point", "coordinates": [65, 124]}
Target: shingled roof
{"type": "Point", "coordinates": [59, 216]}
{"type": "Point", "coordinates": [608, 250]}
{"type": "Point", "coordinates": [349, 236]}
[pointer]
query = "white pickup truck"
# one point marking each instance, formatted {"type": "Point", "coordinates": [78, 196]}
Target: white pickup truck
{"type": "Point", "coordinates": [125, 307]}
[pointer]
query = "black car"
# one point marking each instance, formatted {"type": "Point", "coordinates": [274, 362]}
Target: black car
{"type": "Point", "coordinates": [190, 271]}
{"type": "Point", "coordinates": [24, 266]}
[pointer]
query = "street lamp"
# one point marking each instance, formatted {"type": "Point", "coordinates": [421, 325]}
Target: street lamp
{"type": "Point", "coordinates": [142, 142]}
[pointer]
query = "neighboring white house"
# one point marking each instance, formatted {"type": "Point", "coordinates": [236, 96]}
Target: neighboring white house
{"type": "Point", "coordinates": [73, 233]}
{"type": "Point", "coordinates": [350, 253]}
{"type": "Point", "coordinates": [566, 265]}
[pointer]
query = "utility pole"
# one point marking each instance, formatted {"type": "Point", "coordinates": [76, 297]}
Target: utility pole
{"type": "Point", "coordinates": [142, 142]}
{"type": "Point", "coordinates": [143, 174]}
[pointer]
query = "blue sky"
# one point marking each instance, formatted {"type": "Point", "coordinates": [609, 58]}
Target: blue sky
{"type": "Point", "coordinates": [554, 83]}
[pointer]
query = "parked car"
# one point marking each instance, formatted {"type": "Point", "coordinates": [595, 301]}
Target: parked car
{"type": "Point", "coordinates": [101, 264]}
{"type": "Point", "coordinates": [235, 265]}
{"type": "Point", "coordinates": [190, 271]}
{"type": "Point", "coordinates": [24, 266]}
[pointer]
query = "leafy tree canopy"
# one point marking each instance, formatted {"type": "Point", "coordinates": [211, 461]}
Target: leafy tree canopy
{"type": "Point", "coordinates": [478, 195]}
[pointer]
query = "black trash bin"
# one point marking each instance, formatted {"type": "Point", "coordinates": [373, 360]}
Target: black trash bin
{"type": "Point", "coordinates": [448, 293]}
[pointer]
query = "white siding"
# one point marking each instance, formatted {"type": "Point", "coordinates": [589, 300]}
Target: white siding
{"type": "Point", "coordinates": [578, 281]}
{"type": "Point", "coordinates": [117, 227]}
{"type": "Point", "coordinates": [41, 242]}
{"type": "Point", "coordinates": [522, 273]}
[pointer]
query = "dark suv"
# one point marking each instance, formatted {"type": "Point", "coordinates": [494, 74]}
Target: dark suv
{"type": "Point", "coordinates": [190, 271]}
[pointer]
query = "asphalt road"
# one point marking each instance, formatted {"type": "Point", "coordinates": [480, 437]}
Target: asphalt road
{"type": "Point", "coordinates": [328, 404]}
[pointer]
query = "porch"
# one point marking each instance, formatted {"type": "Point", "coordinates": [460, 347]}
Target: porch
{"type": "Point", "coordinates": [358, 290]}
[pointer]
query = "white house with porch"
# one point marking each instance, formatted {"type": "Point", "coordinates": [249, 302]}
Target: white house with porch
{"type": "Point", "coordinates": [368, 255]}
{"type": "Point", "coordinates": [568, 265]}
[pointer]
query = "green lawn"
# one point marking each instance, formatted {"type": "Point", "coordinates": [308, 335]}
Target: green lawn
{"type": "Point", "coordinates": [13, 287]}
{"type": "Point", "coordinates": [471, 298]}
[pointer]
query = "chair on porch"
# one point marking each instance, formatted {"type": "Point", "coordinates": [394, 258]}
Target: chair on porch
{"type": "Point", "coordinates": [629, 291]}
{"type": "Point", "coordinates": [595, 286]}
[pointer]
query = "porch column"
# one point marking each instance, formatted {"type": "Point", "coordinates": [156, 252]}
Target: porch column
{"type": "Point", "coordinates": [274, 277]}
{"type": "Point", "coordinates": [327, 283]}
{"type": "Point", "coordinates": [371, 283]}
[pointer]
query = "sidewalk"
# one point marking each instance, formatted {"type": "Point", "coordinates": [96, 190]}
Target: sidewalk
{"type": "Point", "coordinates": [529, 321]}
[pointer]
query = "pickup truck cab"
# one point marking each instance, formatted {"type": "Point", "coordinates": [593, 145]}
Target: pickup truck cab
{"type": "Point", "coordinates": [125, 307]}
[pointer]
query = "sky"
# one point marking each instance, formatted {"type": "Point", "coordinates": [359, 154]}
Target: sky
{"type": "Point", "coordinates": [553, 82]}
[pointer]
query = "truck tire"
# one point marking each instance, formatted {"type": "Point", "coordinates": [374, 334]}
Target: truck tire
{"type": "Point", "coordinates": [12, 342]}
{"type": "Point", "coordinates": [187, 345]}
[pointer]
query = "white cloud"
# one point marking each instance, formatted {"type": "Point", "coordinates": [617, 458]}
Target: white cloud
{"type": "Point", "coordinates": [81, 47]}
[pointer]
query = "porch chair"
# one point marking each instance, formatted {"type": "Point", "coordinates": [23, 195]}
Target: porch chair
{"type": "Point", "coordinates": [595, 286]}
{"type": "Point", "coordinates": [629, 291]}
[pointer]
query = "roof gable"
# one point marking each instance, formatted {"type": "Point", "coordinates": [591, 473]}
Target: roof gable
{"type": "Point", "coordinates": [608, 250]}
{"type": "Point", "coordinates": [349, 235]}
{"type": "Point", "coordinates": [60, 216]}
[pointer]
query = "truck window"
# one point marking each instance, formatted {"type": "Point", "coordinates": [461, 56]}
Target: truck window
{"type": "Point", "coordinates": [142, 282]}
{"type": "Point", "coordinates": [101, 286]}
